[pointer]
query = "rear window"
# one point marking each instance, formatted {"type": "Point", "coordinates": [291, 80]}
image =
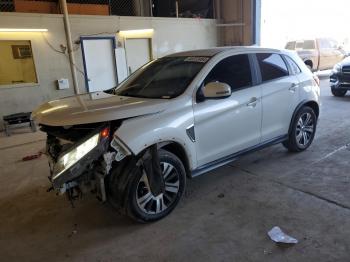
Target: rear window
{"type": "Point", "coordinates": [290, 45]}
{"type": "Point", "coordinates": [272, 66]}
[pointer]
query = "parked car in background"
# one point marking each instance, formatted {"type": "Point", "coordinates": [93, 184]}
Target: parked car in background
{"type": "Point", "coordinates": [319, 53]}
{"type": "Point", "coordinates": [340, 78]}
{"type": "Point", "coordinates": [175, 118]}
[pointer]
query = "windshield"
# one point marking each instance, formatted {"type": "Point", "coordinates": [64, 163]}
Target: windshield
{"type": "Point", "coordinates": [165, 78]}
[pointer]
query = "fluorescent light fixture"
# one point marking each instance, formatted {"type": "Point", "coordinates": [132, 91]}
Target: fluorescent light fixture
{"type": "Point", "coordinates": [23, 30]}
{"type": "Point", "coordinates": [136, 33]}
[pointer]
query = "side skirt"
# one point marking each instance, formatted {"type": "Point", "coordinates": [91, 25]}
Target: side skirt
{"type": "Point", "coordinates": [228, 159]}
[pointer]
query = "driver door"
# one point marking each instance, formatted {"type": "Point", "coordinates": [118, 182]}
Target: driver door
{"type": "Point", "coordinates": [228, 125]}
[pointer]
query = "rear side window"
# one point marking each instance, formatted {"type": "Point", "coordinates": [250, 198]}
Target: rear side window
{"type": "Point", "coordinates": [309, 45]}
{"type": "Point", "coordinates": [272, 66]}
{"type": "Point", "coordinates": [299, 45]}
{"type": "Point", "coordinates": [293, 66]}
{"type": "Point", "coordinates": [234, 71]}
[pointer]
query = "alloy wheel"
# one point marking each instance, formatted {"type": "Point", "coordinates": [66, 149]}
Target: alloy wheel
{"type": "Point", "coordinates": [304, 130]}
{"type": "Point", "coordinates": [151, 204]}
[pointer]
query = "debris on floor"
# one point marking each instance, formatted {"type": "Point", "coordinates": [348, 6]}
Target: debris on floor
{"type": "Point", "coordinates": [32, 157]}
{"type": "Point", "coordinates": [221, 195]}
{"type": "Point", "coordinates": [74, 231]}
{"type": "Point", "coordinates": [277, 235]}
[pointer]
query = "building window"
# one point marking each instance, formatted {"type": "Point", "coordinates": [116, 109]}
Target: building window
{"type": "Point", "coordinates": [16, 63]}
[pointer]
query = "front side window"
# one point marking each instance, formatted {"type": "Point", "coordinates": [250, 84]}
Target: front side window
{"type": "Point", "coordinates": [272, 66]}
{"type": "Point", "coordinates": [16, 63]}
{"type": "Point", "coordinates": [234, 71]}
{"type": "Point", "coordinates": [164, 78]}
{"type": "Point", "coordinates": [324, 43]}
{"type": "Point", "coordinates": [333, 43]}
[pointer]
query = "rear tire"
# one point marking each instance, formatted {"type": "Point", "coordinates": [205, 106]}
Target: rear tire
{"type": "Point", "coordinates": [338, 92]}
{"type": "Point", "coordinates": [302, 130]}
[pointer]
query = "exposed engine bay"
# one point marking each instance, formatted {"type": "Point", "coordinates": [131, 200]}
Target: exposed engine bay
{"type": "Point", "coordinates": [80, 157]}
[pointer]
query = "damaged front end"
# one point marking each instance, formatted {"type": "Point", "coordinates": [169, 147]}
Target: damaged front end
{"type": "Point", "coordinates": [80, 157]}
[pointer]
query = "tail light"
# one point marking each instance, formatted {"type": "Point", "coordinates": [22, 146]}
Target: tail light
{"type": "Point", "coordinates": [317, 80]}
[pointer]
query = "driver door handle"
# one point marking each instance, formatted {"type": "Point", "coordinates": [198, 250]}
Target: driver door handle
{"type": "Point", "coordinates": [253, 101]}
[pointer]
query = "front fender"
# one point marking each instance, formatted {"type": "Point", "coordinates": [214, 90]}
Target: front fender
{"type": "Point", "coordinates": [169, 126]}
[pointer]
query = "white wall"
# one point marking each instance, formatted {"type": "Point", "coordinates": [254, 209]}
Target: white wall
{"type": "Point", "coordinates": [170, 35]}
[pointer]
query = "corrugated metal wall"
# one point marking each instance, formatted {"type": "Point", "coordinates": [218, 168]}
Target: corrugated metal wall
{"type": "Point", "coordinates": [235, 20]}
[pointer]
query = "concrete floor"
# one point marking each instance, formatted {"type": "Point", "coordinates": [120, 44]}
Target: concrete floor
{"type": "Point", "coordinates": [306, 194]}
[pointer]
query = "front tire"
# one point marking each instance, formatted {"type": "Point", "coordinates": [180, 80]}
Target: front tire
{"type": "Point", "coordinates": [302, 130]}
{"type": "Point", "coordinates": [138, 201]}
{"type": "Point", "coordinates": [338, 92]}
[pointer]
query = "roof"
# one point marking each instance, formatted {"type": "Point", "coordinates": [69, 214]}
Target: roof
{"type": "Point", "coordinates": [216, 50]}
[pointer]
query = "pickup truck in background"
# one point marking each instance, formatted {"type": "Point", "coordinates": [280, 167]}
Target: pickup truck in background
{"type": "Point", "coordinates": [318, 53]}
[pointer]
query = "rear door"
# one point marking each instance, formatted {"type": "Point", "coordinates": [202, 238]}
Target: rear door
{"type": "Point", "coordinates": [280, 94]}
{"type": "Point", "coordinates": [226, 126]}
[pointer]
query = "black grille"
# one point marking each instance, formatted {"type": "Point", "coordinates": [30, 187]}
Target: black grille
{"type": "Point", "coordinates": [346, 69]}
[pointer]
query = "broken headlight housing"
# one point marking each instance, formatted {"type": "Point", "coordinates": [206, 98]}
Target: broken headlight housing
{"type": "Point", "coordinates": [74, 155]}
{"type": "Point", "coordinates": [121, 150]}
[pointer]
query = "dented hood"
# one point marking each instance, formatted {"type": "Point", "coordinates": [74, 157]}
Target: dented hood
{"type": "Point", "coordinates": [95, 107]}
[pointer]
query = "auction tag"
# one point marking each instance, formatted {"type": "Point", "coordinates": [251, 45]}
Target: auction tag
{"type": "Point", "coordinates": [197, 59]}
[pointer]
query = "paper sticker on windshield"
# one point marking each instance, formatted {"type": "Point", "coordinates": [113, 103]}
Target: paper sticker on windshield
{"type": "Point", "coordinates": [197, 59]}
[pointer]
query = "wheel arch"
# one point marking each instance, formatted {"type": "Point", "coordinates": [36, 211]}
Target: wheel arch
{"type": "Point", "coordinates": [178, 150]}
{"type": "Point", "coordinates": [309, 63]}
{"type": "Point", "coordinates": [312, 104]}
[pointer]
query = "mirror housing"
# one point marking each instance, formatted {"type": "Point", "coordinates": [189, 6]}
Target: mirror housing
{"type": "Point", "coordinates": [215, 90]}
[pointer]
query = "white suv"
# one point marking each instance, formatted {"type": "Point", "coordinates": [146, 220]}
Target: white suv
{"type": "Point", "coordinates": [176, 118]}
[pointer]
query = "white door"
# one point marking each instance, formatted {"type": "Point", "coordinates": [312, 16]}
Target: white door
{"type": "Point", "coordinates": [229, 125]}
{"type": "Point", "coordinates": [280, 95]}
{"type": "Point", "coordinates": [100, 64]}
{"type": "Point", "coordinates": [138, 53]}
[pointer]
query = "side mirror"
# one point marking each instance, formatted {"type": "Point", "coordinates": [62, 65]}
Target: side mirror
{"type": "Point", "coordinates": [216, 90]}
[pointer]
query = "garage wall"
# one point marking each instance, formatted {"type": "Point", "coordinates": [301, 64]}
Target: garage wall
{"type": "Point", "coordinates": [237, 23]}
{"type": "Point", "coordinates": [170, 35]}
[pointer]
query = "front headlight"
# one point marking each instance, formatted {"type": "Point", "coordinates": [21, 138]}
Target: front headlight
{"type": "Point", "coordinates": [337, 68]}
{"type": "Point", "coordinates": [73, 156]}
